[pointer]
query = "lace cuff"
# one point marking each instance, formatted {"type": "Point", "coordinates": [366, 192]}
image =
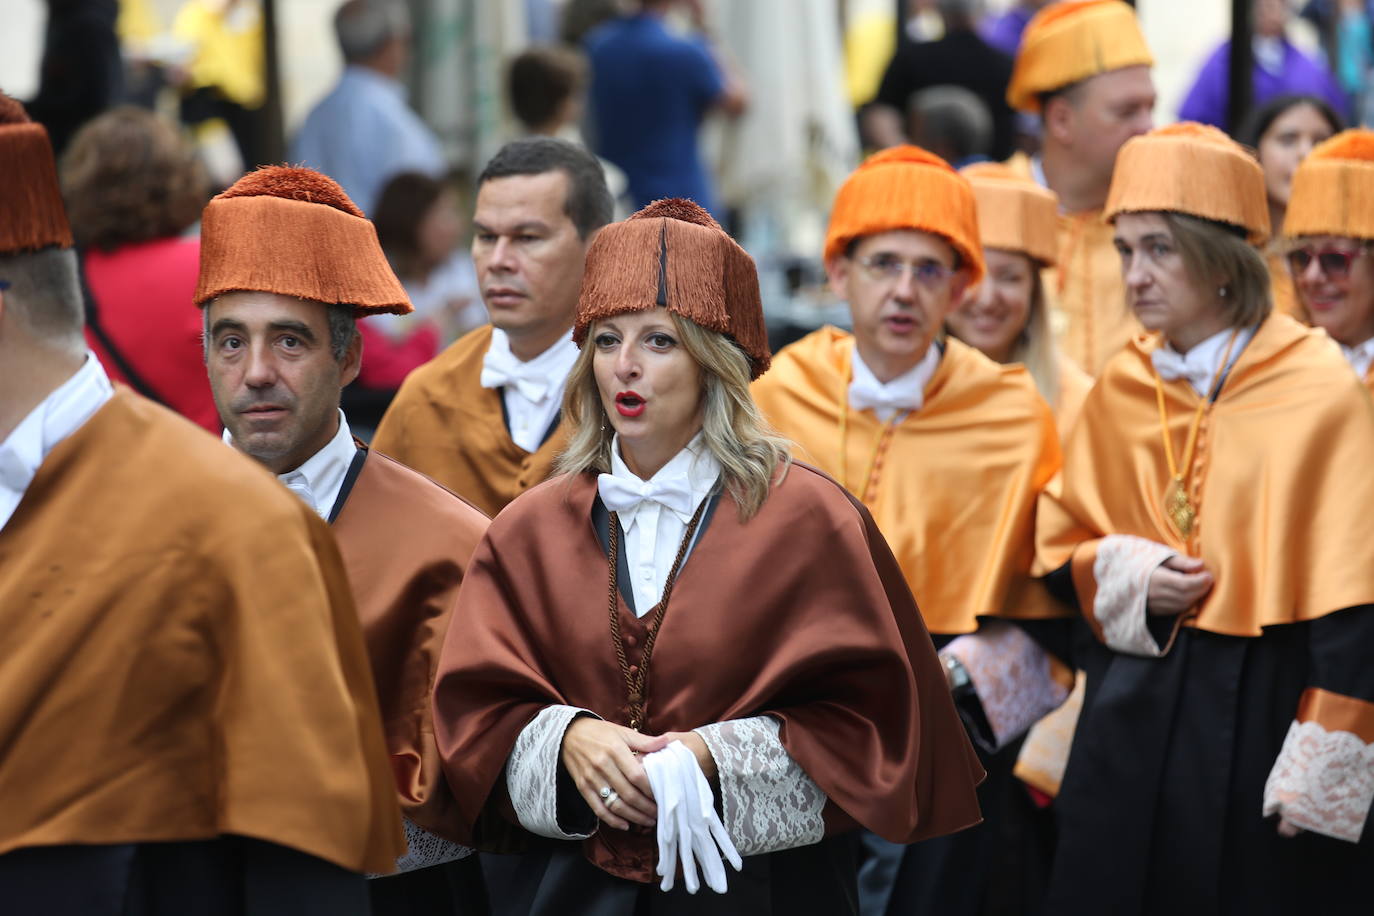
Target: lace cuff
{"type": "Point", "coordinates": [532, 771]}
{"type": "Point", "coordinates": [424, 849]}
{"type": "Point", "coordinates": [1122, 569]}
{"type": "Point", "coordinates": [768, 801]}
{"type": "Point", "coordinates": [1014, 678]}
{"type": "Point", "coordinates": [1323, 780]}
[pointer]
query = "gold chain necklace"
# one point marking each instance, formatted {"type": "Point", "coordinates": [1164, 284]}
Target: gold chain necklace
{"type": "Point", "coordinates": [1177, 506]}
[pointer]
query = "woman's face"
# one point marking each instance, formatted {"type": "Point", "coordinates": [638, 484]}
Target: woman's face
{"type": "Point", "coordinates": [1287, 142]}
{"type": "Point", "coordinates": [994, 313]}
{"type": "Point", "coordinates": [1159, 288]}
{"type": "Point", "coordinates": [650, 386]}
{"type": "Point", "coordinates": [440, 230]}
{"type": "Point", "coordinates": [1334, 278]}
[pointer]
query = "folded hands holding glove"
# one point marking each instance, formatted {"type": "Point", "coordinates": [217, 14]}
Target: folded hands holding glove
{"type": "Point", "coordinates": [689, 830]}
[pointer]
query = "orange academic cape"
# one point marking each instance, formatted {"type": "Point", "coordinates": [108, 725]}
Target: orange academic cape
{"type": "Point", "coordinates": [953, 485]}
{"type": "Point", "coordinates": [445, 425]}
{"type": "Point", "coordinates": [1279, 480]}
{"type": "Point", "coordinates": [1088, 315]}
{"type": "Point", "coordinates": [182, 656]}
{"type": "Point", "coordinates": [406, 542]}
{"type": "Point", "coordinates": [800, 613]}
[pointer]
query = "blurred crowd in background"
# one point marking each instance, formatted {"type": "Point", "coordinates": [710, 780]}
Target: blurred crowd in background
{"type": "Point", "coordinates": [757, 109]}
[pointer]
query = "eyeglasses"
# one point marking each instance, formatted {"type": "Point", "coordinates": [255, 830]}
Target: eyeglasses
{"type": "Point", "coordinates": [1333, 262]}
{"type": "Point", "coordinates": [890, 268]}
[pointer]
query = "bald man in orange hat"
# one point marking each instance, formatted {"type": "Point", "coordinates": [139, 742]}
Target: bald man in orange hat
{"type": "Point", "coordinates": [1084, 68]}
{"type": "Point", "coordinates": [288, 265]}
{"type": "Point", "coordinates": [949, 451]}
{"type": "Point", "coordinates": [187, 722]}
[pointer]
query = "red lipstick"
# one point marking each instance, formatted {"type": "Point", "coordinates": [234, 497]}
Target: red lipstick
{"type": "Point", "coordinates": [629, 404]}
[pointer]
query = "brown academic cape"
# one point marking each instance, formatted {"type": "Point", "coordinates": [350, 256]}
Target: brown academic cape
{"type": "Point", "coordinates": [406, 542]}
{"type": "Point", "coordinates": [1160, 809]}
{"type": "Point", "coordinates": [445, 425]}
{"type": "Point", "coordinates": [952, 485]}
{"type": "Point", "coordinates": [800, 613]}
{"type": "Point", "coordinates": [1089, 317]}
{"type": "Point", "coordinates": [182, 656]}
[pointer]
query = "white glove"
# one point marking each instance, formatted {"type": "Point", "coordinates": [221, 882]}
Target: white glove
{"type": "Point", "coordinates": [688, 827]}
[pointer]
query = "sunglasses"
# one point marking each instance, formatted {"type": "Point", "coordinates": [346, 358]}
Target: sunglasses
{"type": "Point", "coordinates": [1333, 262]}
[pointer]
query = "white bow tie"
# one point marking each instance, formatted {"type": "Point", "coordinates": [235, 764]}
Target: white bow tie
{"type": "Point", "coordinates": [295, 482]}
{"type": "Point", "coordinates": [865, 393]}
{"type": "Point", "coordinates": [501, 370]}
{"type": "Point", "coordinates": [1191, 366]}
{"type": "Point", "coordinates": [625, 496]}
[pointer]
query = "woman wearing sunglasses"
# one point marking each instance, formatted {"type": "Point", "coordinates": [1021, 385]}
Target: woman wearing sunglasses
{"type": "Point", "coordinates": [684, 616]}
{"type": "Point", "coordinates": [1329, 228]}
{"type": "Point", "coordinates": [1213, 524]}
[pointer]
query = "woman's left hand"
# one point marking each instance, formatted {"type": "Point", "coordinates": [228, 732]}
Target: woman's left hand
{"type": "Point", "coordinates": [697, 745]}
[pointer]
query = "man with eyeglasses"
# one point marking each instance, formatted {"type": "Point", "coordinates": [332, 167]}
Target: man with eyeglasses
{"type": "Point", "coordinates": [949, 451]}
{"type": "Point", "coordinates": [1333, 273]}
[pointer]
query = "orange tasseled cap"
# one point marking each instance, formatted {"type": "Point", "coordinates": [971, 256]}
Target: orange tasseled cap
{"type": "Point", "coordinates": [294, 231]}
{"type": "Point", "coordinates": [673, 254]}
{"type": "Point", "coordinates": [1194, 169]}
{"type": "Point", "coordinates": [1070, 41]}
{"type": "Point", "coordinates": [905, 187]}
{"type": "Point", "coordinates": [1333, 189]}
{"type": "Point", "coordinates": [31, 211]}
{"type": "Point", "coordinates": [1014, 213]}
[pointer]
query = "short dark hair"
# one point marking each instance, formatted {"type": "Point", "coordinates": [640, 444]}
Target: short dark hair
{"type": "Point", "coordinates": [401, 208]}
{"type": "Point", "coordinates": [45, 291]}
{"type": "Point", "coordinates": [1253, 128]}
{"type": "Point", "coordinates": [540, 81]}
{"type": "Point", "coordinates": [128, 176]}
{"type": "Point", "coordinates": [588, 204]}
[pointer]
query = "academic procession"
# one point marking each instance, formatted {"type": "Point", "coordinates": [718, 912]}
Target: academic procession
{"type": "Point", "coordinates": [1041, 582]}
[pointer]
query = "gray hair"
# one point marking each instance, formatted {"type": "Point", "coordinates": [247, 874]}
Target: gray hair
{"type": "Point", "coordinates": [44, 294]}
{"type": "Point", "coordinates": [343, 327]}
{"type": "Point", "coordinates": [950, 120]}
{"type": "Point", "coordinates": [363, 26]}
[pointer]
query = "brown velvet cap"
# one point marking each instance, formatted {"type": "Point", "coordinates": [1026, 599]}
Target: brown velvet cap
{"type": "Point", "coordinates": [294, 231]}
{"type": "Point", "coordinates": [31, 211]}
{"type": "Point", "coordinates": [673, 254]}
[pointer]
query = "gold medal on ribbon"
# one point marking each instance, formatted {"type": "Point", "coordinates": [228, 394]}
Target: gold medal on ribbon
{"type": "Point", "coordinates": [1179, 508]}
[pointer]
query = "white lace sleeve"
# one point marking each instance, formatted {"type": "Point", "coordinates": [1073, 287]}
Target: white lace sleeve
{"type": "Point", "coordinates": [532, 771]}
{"type": "Point", "coordinates": [424, 849]}
{"type": "Point", "coordinates": [768, 801]}
{"type": "Point", "coordinates": [1323, 781]}
{"type": "Point", "coordinates": [1122, 570]}
{"type": "Point", "coordinates": [1012, 675]}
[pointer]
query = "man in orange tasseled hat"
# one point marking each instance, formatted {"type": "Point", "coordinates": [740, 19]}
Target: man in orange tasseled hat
{"type": "Point", "coordinates": [1084, 68]}
{"type": "Point", "coordinates": [1329, 228]}
{"type": "Point", "coordinates": [187, 721]}
{"type": "Point", "coordinates": [288, 265]}
{"type": "Point", "coordinates": [949, 451]}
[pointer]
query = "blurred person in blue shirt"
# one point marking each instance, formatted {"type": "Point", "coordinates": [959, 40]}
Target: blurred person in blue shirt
{"type": "Point", "coordinates": [650, 91]}
{"type": "Point", "coordinates": [363, 133]}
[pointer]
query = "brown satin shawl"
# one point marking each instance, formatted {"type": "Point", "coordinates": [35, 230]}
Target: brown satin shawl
{"type": "Point", "coordinates": [800, 613]}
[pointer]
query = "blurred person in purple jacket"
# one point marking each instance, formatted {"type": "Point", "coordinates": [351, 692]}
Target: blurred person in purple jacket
{"type": "Point", "coordinates": [1279, 69]}
{"type": "Point", "coordinates": [1003, 30]}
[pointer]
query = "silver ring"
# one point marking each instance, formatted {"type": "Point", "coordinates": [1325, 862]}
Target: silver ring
{"type": "Point", "coordinates": [605, 792]}
{"type": "Point", "coordinates": [612, 800]}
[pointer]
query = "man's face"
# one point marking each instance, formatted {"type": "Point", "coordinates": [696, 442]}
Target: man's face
{"type": "Point", "coordinates": [275, 382]}
{"type": "Point", "coordinates": [899, 285]}
{"type": "Point", "coordinates": [529, 257]}
{"type": "Point", "coordinates": [1102, 114]}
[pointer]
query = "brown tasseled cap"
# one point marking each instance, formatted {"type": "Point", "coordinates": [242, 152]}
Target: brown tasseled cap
{"type": "Point", "coordinates": [294, 231]}
{"type": "Point", "coordinates": [31, 211]}
{"type": "Point", "coordinates": [673, 254]}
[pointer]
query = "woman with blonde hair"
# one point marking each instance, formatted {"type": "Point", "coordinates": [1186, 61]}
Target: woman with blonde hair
{"type": "Point", "coordinates": [683, 614]}
{"type": "Point", "coordinates": [1212, 523]}
{"type": "Point", "coordinates": [1007, 316]}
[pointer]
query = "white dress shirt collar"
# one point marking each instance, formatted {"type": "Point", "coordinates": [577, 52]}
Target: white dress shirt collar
{"type": "Point", "coordinates": [532, 391]}
{"type": "Point", "coordinates": [655, 513]}
{"type": "Point", "coordinates": [55, 418]}
{"type": "Point", "coordinates": [1199, 364]}
{"type": "Point", "coordinates": [1360, 357]}
{"type": "Point", "coordinates": [320, 477]}
{"type": "Point", "coordinates": [904, 393]}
